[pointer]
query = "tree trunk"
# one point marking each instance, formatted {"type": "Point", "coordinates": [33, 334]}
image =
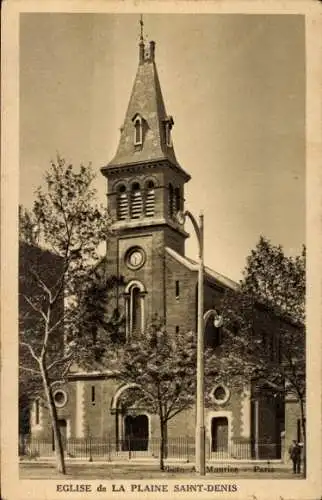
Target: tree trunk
{"type": "Point", "coordinates": [162, 444]}
{"type": "Point", "coordinates": [303, 425]}
{"type": "Point", "coordinates": [165, 438]}
{"type": "Point", "coordinates": [59, 451]}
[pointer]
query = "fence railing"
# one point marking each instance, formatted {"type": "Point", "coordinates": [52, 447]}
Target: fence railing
{"type": "Point", "coordinates": [182, 448]}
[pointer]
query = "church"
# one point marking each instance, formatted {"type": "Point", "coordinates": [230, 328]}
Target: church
{"type": "Point", "coordinates": [145, 193]}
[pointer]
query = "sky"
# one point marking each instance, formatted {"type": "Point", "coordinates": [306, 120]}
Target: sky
{"type": "Point", "coordinates": [235, 86]}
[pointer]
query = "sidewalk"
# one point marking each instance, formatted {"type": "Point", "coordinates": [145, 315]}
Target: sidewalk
{"type": "Point", "coordinates": [215, 466]}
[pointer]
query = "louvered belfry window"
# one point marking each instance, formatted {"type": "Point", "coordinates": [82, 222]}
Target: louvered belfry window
{"type": "Point", "coordinates": [177, 200]}
{"type": "Point", "coordinates": [171, 200]}
{"type": "Point", "coordinates": [136, 201]}
{"type": "Point", "coordinates": [122, 203]}
{"type": "Point", "coordinates": [150, 199]}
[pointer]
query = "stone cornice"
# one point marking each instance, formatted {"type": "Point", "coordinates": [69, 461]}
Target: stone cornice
{"type": "Point", "coordinates": [133, 167]}
{"type": "Point", "coordinates": [148, 222]}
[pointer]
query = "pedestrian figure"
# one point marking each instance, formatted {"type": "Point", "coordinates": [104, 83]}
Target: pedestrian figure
{"type": "Point", "coordinates": [295, 455]}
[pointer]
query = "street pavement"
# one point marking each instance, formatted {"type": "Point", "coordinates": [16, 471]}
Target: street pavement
{"type": "Point", "coordinates": [99, 470]}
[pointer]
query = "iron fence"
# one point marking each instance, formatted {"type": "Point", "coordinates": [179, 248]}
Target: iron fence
{"type": "Point", "coordinates": [179, 448]}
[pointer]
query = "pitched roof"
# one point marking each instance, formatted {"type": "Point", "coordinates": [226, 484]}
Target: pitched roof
{"type": "Point", "coordinates": [146, 101]}
{"type": "Point", "coordinates": [210, 274]}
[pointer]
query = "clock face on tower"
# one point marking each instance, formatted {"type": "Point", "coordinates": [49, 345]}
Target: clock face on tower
{"type": "Point", "coordinates": [135, 258]}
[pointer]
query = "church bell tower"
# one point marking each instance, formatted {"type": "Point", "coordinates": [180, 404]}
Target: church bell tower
{"type": "Point", "coordinates": [145, 190]}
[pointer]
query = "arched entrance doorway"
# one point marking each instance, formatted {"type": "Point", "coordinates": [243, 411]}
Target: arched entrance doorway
{"type": "Point", "coordinates": [132, 425]}
{"type": "Point", "coordinates": [219, 434]}
{"type": "Point", "coordinates": [136, 433]}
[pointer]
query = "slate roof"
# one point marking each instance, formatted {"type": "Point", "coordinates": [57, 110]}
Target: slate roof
{"type": "Point", "coordinates": [146, 101]}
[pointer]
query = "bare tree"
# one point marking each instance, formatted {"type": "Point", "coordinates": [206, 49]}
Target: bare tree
{"type": "Point", "coordinates": [60, 237]}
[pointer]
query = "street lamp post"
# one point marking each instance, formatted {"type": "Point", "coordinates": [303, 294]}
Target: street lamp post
{"type": "Point", "coordinates": [200, 403]}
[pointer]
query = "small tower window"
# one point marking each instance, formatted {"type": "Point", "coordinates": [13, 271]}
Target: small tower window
{"type": "Point", "coordinates": [171, 200]}
{"type": "Point", "coordinates": [138, 133]}
{"type": "Point", "coordinates": [150, 199]}
{"type": "Point", "coordinates": [177, 289]}
{"type": "Point", "coordinates": [136, 201]}
{"type": "Point", "coordinates": [93, 394]}
{"type": "Point", "coordinates": [168, 135]}
{"type": "Point", "coordinates": [168, 126]}
{"type": "Point", "coordinates": [122, 203]}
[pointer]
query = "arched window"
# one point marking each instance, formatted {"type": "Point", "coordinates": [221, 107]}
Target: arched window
{"type": "Point", "coordinates": [134, 296]}
{"type": "Point", "coordinates": [213, 331]}
{"type": "Point", "coordinates": [168, 123]}
{"type": "Point", "coordinates": [149, 199]}
{"type": "Point", "coordinates": [168, 134]}
{"type": "Point", "coordinates": [177, 200]}
{"type": "Point", "coordinates": [171, 200]}
{"type": "Point", "coordinates": [138, 131]}
{"type": "Point", "coordinates": [136, 201]}
{"type": "Point", "coordinates": [136, 313]}
{"type": "Point", "coordinates": [122, 203]}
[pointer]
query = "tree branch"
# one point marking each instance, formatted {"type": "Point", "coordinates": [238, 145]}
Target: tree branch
{"type": "Point", "coordinates": [35, 308]}
{"type": "Point", "coordinates": [60, 361]}
{"type": "Point", "coordinates": [32, 352]}
{"type": "Point", "coordinates": [41, 283]}
{"type": "Point", "coordinates": [45, 342]}
{"type": "Point", "coordinates": [179, 410]}
{"type": "Point", "coordinates": [31, 370]}
{"type": "Point", "coordinates": [55, 325]}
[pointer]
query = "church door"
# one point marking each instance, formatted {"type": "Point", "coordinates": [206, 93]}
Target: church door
{"type": "Point", "coordinates": [219, 434]}
{"type": "Point", "coordinates": [136, 433]}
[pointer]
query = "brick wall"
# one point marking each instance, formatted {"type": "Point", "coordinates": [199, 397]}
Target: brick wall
{"type": "Point", "coordinates": [181, 310]}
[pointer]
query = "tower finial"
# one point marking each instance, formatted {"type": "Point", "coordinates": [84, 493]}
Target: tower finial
{"type": "Point", "coordinates": [141, 44]}
{"type": "Point", "coordinates": [141, 27]}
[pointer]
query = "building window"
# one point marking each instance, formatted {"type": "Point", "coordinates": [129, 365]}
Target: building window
{"type": "Point", "coordinates": [149, 199]}
{"type": "Point", "coordinates": [134, 296]}
{"type": "Point", "coordinates": [122, 203]}
{"type": "Point", "coordinates": [177, 289]}
{"type": "Point", "coordinates": [136, 316]}
{"type": "Point", "coordinates": [37, 411]}
{"type": "Point", "coordinates": [136, 201]}
{"type": "Point", "coordinates": [220, 394]}
{"type": "Point", "coordinates": [213, 331]}
{"type": "Point", "coordinates": [93, 394]}
{"type": "Point", "coordinates": [171, 200]}
{"type": "Point", "coordinates": [168, 134]}
{"type": "Point", "coordinates": [138, 131]}
{"type": "Point", "coordinates": [60, 398]}
{"type": "Point", "coordinates": [168, 123]}
{"type": "Point", "coordinates": [177, 329]}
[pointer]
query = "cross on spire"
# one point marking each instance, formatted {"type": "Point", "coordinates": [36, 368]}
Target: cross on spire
{"type": "Point", "coordinates": [141, 27]}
